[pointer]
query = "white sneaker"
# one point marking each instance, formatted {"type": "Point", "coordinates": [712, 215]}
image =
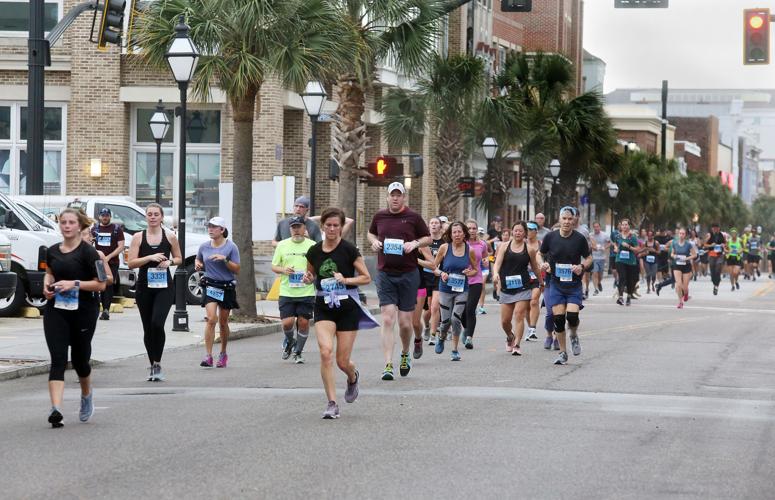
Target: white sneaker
{"type": "Point", "coordinates": [432, 340]}
{"type": "Point", "coordinates": [531, 334]}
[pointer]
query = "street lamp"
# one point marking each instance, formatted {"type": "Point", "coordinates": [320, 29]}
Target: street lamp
{"type": "Point", "coordinates": [313, 97]}
{"type": "Point", "coordinates": [160, 125]}
{"type": "Point", "coordinates": [182, 57]}
{"type": "Point", "coordinates": [630, 146]}
{"type": "Point", "coordinates": [554, 171]}
{"type": "Point", "coordinates": [613, 192]}
{"type": "Point", "coordinates": [489, 148]}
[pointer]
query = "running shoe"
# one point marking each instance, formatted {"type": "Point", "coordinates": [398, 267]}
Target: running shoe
{"type": "Point", "coordinates": [575, 345]}
{"type": "Point", "coordinates": [561, 359]}
{"type": "Point", "coordinates": [55, 417]}
{"type": "Point", "coordinates": [223, 359]}
{"type": "Point", "coordinates": [426, 334]}
{"type": "Point", "coordinates": [158, 374]}
{"type": "Point", "coordinates": [600, 287]}
{"type": "Point", "coordinates": [207, 361]}
{"type": "Point", "coordinates": [586, 294]}
{"type": "Point", "coordinates": [417, 354]}
{"type": "Point", "coordinates": [556, 345]}
{"type": "Point", "coordinates": [468, 343]}
{"type": "Point", "coordinates": [481, 310]}
{"type": "Point", "coordinates": [620, 301]}
{"type": "Point", "coordinates": [686, 298]}
{"type": "Point", "coordinates": [516, 351]}
{"type": "Point", "coordinates": [628, 301]}
{"type": "Point", "coordinates": [150, 374]}
{"type": "Point", "coordinates": [405, 365]}
{"type": "Point", "coordinates": [680, 305]}
{"type": "Point", "coordinates": [288, 348]}
{"type": "Point", "coordinates": [440, 343]}
{"type": "Point", "coordinates": [715, 290]}
{"type": "Point", "coordinates": [531, 334]}
{"type": "Point", "coordinates": [658, 289]}
{"type": "Point", "coordinates": [351, 393]}
{"type": "Point", "coordinates": [595, 292]}
{"type": "Point", "coordinates": [387, 373]}
{"type": "Point", "coordinates": [737, 285]}
{"type": "Point", "coordinates": [332, 411]}
{"type": "Point", "coordinates": [87, 408]}
{"type": "Point", "coordinates": [454, 356]}
{"type": "Point", "coordinates": [548, 343]}
{"type": "Point", "coordinates": [298, 358]}
{"type": "Point", "coordinates": [432, 340]}
{"type": "Point", "coordinates": [510, 343]}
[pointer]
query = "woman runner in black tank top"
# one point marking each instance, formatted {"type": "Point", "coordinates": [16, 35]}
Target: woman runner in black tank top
{"type": "Point", "coordinates": [152, 252]}
{"type": "Point", "coordinates": [512, 278]}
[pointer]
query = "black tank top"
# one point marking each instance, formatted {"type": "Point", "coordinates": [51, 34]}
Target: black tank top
{"type": "Point", "coordinates": [516, 263]}
{"type": "Point", "coordinates": [147, 249]}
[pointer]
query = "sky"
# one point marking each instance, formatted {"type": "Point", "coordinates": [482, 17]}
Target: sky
{"type": "Point", "coordinates": [692, 44]}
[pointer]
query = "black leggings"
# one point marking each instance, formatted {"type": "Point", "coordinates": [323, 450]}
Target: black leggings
{"type": "Point", "coordinates": [469, 315]}
{"type": "Point", "coordinates": [154, 306]}
{"type": "Point", "coordinates": [106, 297]}
{"type": "Point", "coordinates": [69, 328]}
{"type": "Point", "coordinates": [628, 277]}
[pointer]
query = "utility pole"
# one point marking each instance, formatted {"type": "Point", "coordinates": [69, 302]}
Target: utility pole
{"type": "Point", "coordinates": [664, 120]}
{"type": "Point", "coordinates": [38, 55]}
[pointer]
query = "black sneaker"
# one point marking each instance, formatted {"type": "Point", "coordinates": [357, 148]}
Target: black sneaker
{"type": "Point", "coordinates": [628, 301]}
{"type": "Point", "coordinates": [405, 365]}
{"type": "Point", "coordinates": [715, 290]}
{"type": "Point", "coordinates": [55, 418]}
{"type": "Point", "coordinates": [620, 301]}
{"type": "Point", "coordinates": [737, 285]}
{"type": "Point", "coordinates": [417, 354]}
{"type": "Point", "coordinates": [658, 289]}
{"type": "Point", "coordinates": [105, 315]}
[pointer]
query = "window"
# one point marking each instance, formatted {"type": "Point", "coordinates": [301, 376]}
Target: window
{"type": "Point", "coordinates": [203, 163]}
{"type": "Point", "coordinates": [15, 16]}
{"type": "Point", "coordinates": [13, 148]}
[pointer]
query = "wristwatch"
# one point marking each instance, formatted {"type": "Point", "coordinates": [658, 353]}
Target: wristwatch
{"type": "Point", "coordinates": [77, 283]}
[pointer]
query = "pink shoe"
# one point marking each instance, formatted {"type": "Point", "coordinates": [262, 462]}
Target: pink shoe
{"type": "Point", "coordinates": [680, 305]}
{"type": "Point", "coordinates": [516, 351]}
{"type": "Point", "coordinates": [686, 298]}
{"type": "Point", "coordinates": [510, 344]}
{"type": "Point", "coordinates": [223, 358]}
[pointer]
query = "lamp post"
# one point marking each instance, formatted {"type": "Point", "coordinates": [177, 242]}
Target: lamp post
{"type": "Point", "coordinates": [182, 57]}
{"type": "Point", "coordinates": [313, 97]}
{"type": "Point", "coordinates": [630, 146]}
{"type": "Point", "coordinates": [613, 192]}
{"type": "Point", "coordinates": [554, 171]}
{"type": "Point", "coordinates": [160, 125]}
{"type": "Point", "coordinates": [489, 149]}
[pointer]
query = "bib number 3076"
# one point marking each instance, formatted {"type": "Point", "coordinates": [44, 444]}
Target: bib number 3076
{"type": "Point", "coordinates": [564, 272]}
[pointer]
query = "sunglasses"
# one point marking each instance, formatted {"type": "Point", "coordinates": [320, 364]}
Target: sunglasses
{"type": "Point", "coordinates": [532, 227]}
{"type": "Point", "coordinates": [570, 209]}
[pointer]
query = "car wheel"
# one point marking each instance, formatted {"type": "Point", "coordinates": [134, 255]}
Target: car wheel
{"type": "Point", "coordinates": [12, 305]}
{"type": "Point", "coordinates": [193, 288]}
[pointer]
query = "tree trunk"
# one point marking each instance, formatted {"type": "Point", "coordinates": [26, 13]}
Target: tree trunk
{"type": "Point", "coordinates": [496, 189]}
{"type": "Point", "coordinates": [243, 108]}
{"type": "Point", "coordinates": [349, 142]}
{"type": "Point", "coordinates": [450, 164]}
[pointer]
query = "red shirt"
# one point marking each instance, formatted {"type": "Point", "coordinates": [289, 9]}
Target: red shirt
{"type": "Point", "coordinates": [406, 225]}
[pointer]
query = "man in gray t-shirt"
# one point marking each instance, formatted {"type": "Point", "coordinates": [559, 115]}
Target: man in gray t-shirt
{"type": "Point", "coordinates": [542, 230]}
{"type": "Point", "coordinates": [300, 208]}
{"type": "Point", "coordinates": [600, 243]}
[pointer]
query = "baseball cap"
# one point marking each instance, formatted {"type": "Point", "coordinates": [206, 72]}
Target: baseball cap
{"type": "Point", "coordinates": [443, 219]}
{"type": "Point", "coordinates": [296, 220]}
{"type": "Point", "coordinates": [105, 211]}
{"type": "Point", "coordinates": [481, 230]}
{"type": "Point", "coordinates": [303, 201]}
{"type": "Point", "coordinates": [497, 218]}
{"type": "Point", "coordinates": [532, 226]}
{"type": "Point", "coordinates": [396, 185]}
{"type": "Point", "coordinates": [217, 221]}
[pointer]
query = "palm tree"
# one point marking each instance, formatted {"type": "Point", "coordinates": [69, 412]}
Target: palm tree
{"type": "Point", "coordinates": [445, 102]}
{"type": "Point", "coordinates": [244, 42]}
{"type": "Point", "coordinates": [403, 32]}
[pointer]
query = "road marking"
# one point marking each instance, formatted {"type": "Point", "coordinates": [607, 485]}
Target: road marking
{"type": "Point", "coordinates": [695, 308]}
{"type": "Point", "coordinates": [641, 326]}
{"type": "Point", "coordinates": [764, 290]}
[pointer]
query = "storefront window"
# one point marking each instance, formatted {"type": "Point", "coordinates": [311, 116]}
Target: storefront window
{"type": "Point", "coordinates": [52, 172]}
{"type": "Point", "coordinates": [15, 16]}
{"type": "Point", "coordinates": [5, 171]}
{"type": "Point", "coordinates": [52, 124]}
{"type": "Point", "coordinates": [203, 174]}
{"type": "Point", "coordinates": [204, 127]}
{"type": "Point", "coordinates": [145, 179]}
{"type": "Point", "coordinates": [5, 123]}
{"type": "Point", "coordinates": [143, 130]}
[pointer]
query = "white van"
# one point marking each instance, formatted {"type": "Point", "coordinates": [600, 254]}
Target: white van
{"type": "Point", "coordinates": [7, 277]}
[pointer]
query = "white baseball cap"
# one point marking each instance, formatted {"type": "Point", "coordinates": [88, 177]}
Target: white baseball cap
{"type": "Point", "coordinates": [396, 185]}
{"type": "Point", "coordinates": [217, 221]}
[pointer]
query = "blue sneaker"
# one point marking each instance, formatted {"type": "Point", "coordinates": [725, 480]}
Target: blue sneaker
{"type": "Point", "coordinates": [87, 408]}
{"type": "Point", "coordinates": [548, 341]}
{"type": "Point", "coordinates": [440, 344]}
{"type": "Point", "coordinates": [454, 356]}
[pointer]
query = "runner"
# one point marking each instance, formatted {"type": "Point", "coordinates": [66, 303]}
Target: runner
{"type": "Point", "coordinates": [512, 276]}
{"type": "Point", "coordinates": [153, 251]}
{"type": "Point", "coordinates": [715, 244]}
{"type": "Point", "coordinates": [300, 209]}
{"type": "Point", "coordinates": [432, 313]}
{"type": "Point", "coordinates": [663, 257]}
{"type": "Point", "coordinates": [486, 264]}
{"type": "Point", "coordinates": [600, 243]}
{"type": "Point", "coordinates": [455, 265]}
{"type": "Point", "coordinates": [109, 239]}
{"type": "Point", "coordinates": [566, 255]}
{"type": "Point", "coordinates": [734, 258]}
{"type": "Point", "coordinates": [395, 234]}
{"type": "Point", "coordinates": [747, 234]}
{"type": "Point", "coordinates": [495, 230]}
{"type": "Point", "coordinates": [70, 314]}
{"type": "Point", "coordinates": [426, 267]}
{"type": "Point", "coordinates": [337, 269]}
{"type": "Point", "coordinates": [542, 230]}
{"type": "Point", "coordinates": [88, 236]}
{"type": "Point", "coordinates": [535, 297]}
{"type": "Point", "coordinates": [754, 245]}
{"type": "Point", "coordinates": [297, 299]}
{"type": "Point", "coordinates": [683, 252]}
{"type": "Point", "coordinates": [626, 246]}
{"type": "Point", "coordinates": [475, 282]}
{"type": "Point", "coordinates": [771, 254]}
{"type": "Point", "coordinates": [650, 251]}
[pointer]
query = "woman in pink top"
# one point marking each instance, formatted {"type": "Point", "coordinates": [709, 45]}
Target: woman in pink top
{"type": "Point", "coordinates": [475, 283]}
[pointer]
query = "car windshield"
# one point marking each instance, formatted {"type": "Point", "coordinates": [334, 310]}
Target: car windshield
{"type": "Point", "coordinates": [43, 221]}
{"type": "Point", "coordinates": [132, 220]}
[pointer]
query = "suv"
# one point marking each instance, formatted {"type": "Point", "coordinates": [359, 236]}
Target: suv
{"type": "Point", "coordinates": [7, 277]}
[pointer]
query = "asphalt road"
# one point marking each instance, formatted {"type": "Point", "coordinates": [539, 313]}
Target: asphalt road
{"type": "Point", "coordinates": [662, 403]}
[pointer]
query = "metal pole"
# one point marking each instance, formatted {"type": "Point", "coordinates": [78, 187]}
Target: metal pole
{"type": "Point", "coordinates": [180, 316]}
{"type": "Point", "coordinates": [527, 206]}
{"type": "Point", "coordinates": [312, 169]}
{"type": "Point", "coordinates": [664, 120]}
{"type": "Point", "coordinates": [36, 46]}
{"type": "Point", "coordinates": [158, 171]}
{"type": "Point", "coordinates": [589, 208]}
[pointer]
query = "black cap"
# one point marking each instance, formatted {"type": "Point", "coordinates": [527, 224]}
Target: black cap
{"type": "Point", "coordinates": [105, 211]}
{"type": "Point", "coordinates": [296, 220]}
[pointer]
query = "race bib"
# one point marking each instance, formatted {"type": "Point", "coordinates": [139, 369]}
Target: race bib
{"type": "Point", "coordinates": [514, 282]}
{"type": "Point", "coordinates": [754, 245]}
{"type": "Point", "coordinates": [733, 252]}
{"type": "Point", "coordinates": [701, 252]}
{"type": "Point", "coordinates": [717, 248]}
{"type": "Point", "coordinates": [533, 276]}
{"type": "Point", "coordinates": [624, 255]}
{"type": "Point", "coordinates": [393, 246]}
{"type": "Point", "coordinates": [564, 272]}
{"type": "Point", "coordinates": [157, 277]}
{"type": "Point", "coordinates": [680, 260]}
{"type": "Point", "coordinates": [103, 239]}
{"type": "Point", "coordinates": [215, 293]}
{"type": "Point", "coordinates": [295, 280]}
{"type": "Point", "coordinates": [456, 282]}
{"type": "Point", "coordinates": [330, 285]}
{"type": "Point", "coordinates": [651, 259]}
{"type": "Point", "coordinates": [67, 300]}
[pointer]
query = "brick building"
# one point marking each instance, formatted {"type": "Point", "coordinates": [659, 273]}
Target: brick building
{"type": "Point", "coordinates": [704, 132]}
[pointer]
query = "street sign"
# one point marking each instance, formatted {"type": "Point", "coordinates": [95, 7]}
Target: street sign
{"type": "Point", "coordinates": [517, 196]}
{"type": "Point", "coordinates": [641, 4]}
{"type": "Point", "coordinates": [466, 185]}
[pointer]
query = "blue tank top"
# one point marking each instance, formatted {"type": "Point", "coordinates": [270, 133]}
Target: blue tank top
{"type": "Point", "coordinates": [454, 266]}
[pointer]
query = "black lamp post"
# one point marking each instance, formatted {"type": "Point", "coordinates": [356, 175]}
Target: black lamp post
{"type": "Point", "coordinates": [490, 149]}
{"type": "Point", "coordinates": [160, 125]}
{"type": "Point", "coordinates": [182, 57]}
{"type": "Point", "coordinates": [613, 192]}
{"type": "Point", "coordinates": [554, 171]}
{"type": "Point", "coordinates": [313, 97]}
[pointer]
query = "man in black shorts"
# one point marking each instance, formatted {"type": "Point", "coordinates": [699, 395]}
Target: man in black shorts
{"type": "Point", "coordinates": [395, 234]}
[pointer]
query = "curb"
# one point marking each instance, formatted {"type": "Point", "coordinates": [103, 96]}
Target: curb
{"type": "Point", "coordinates": [244, 333]}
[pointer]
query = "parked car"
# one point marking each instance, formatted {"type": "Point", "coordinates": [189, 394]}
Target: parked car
{"type": "Point", "coordinates": [7, 277]}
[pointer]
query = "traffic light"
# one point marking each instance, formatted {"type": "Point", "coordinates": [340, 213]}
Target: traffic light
{"type": "Point", "coordinates": [112, 25]}
{"type": "Point", "coordinates": [756, 36]}
{"type": "Point", "coordinates": [384, 170]}
{"type": "Point", "coordinates": [516, 5]}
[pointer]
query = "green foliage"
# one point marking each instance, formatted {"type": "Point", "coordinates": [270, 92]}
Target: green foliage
{"type": "Point", "coordinates": [763, 213]}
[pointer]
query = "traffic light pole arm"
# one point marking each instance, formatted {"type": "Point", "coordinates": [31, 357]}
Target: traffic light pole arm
{"type": "Point", "coordinates": [68, 19]}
